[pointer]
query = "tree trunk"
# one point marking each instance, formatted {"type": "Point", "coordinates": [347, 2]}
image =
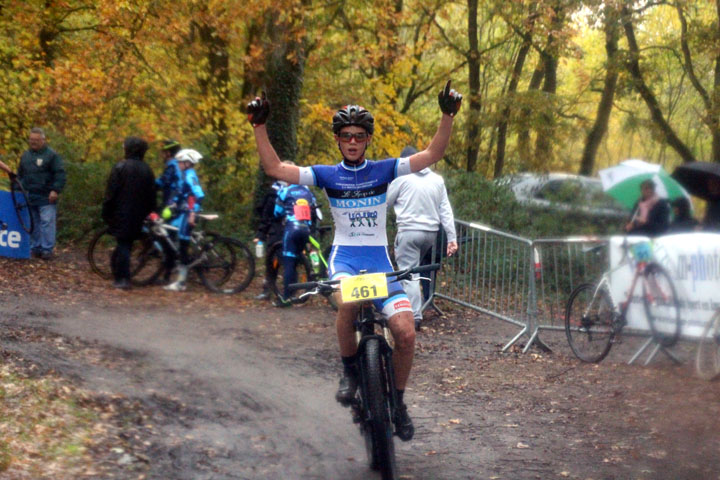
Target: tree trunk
{"type": "Point", "coordinates": [599, 128]}
{"type": "Point", "coordinates": [505, 115]}
{"type": "Point", "coordinates": [216, 86]}
{"type": "Point", "coordinates": [633, 66]}
{"type": "Point", "coordinates": [524, 150]}
{"type": "Point", "coordinates": [473, 115]}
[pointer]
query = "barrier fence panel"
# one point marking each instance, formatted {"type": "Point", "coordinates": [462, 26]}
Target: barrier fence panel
{"type": "Point", "coordinates": [490, 273]}
{"type": "Point", "coordinates": [560, 266]}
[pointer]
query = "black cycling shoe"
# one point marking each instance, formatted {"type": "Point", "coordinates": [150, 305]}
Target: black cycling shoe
{"type": "Point", "coordinates": [346, 390]}
{"type": "Point", "coordinates": [404, 428]}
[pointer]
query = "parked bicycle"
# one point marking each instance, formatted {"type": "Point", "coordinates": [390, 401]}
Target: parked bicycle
{"type": "Point", "coordinates": [20, 202]}
{"type": "Point", "coordinates": [707, 359]}
{"type": "Point", "coordinates": [223, 264]}
{"type": "Point", "coordinates": [375, 403]}
{"type": "Point", "coordinates": [312, 265]}
{"type": "Point", "coordinates": [594, 319]}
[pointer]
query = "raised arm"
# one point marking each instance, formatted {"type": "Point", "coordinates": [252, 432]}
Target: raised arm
{"type": "Point", "coordinates": [258, 110]}
{"type": "Point", "coordinates": [449, 101]}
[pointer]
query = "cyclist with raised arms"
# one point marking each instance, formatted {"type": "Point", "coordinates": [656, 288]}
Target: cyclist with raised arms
{"type": "Point", "coordinates": [356, 190]}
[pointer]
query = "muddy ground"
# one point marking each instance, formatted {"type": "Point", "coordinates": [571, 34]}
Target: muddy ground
{"type": "Point", "coordinates": [216, 387]}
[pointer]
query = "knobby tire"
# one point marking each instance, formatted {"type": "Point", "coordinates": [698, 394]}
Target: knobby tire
{"type": "Point", "coordinates": [590, 337]}
{"type": "Point", "coordinates": [707, 359]}
{"type": "Point", "coordinates": [21, 205]}
{"type": "Point", "coordinates": [228, 267]}
{"type": "Point", "coordinates": [378, 427]}
{"type": "Point", "coordinates": [661, 305]}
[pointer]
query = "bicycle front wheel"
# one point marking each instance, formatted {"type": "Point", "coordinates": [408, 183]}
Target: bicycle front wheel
{"type": "Point", "coordinates": [661, 305]}
{"type": "Point", "coordinates": [378, 428]}
{"type": "Point", "coordinates": [228, 266]}
{"type": "Point", "coordinates": [707, 360]}
{"type": "Point", "coordinates": [276, 271]}
{"type": "Point", "coordinates": [589, 323]}
{"type": "Point", "coordinates": [21, 205]}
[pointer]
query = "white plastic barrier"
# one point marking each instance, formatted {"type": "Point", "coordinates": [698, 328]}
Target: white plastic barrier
{"type": "Point", "coordinates": [693, 262]}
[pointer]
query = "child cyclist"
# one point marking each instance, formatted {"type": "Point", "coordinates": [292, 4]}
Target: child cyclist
{"type": "Point", "coordinates": [356, 189]}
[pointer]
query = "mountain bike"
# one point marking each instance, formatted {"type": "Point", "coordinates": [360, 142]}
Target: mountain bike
{"type": "Point", "coordinates": [707, 359]}
{"type": "Point", "coordinates": [376, 402]}
{"type": "Point", "coordinates": [593, 318]}
{"type": "Point", "coordinates": [311, 265]}
{"type": "Point", "coordinates": [223, 264]}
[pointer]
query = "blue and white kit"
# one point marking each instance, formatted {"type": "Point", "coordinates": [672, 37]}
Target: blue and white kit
{"type": "Point", "coordinates": [358, 203]}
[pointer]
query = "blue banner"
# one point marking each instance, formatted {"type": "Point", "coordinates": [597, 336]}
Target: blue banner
{"type": "Point", "coordinates": [14, 241]}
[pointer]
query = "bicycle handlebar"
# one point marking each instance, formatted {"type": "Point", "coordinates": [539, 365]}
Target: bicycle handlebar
{"type": "Point", "coordinates": [329, 284]}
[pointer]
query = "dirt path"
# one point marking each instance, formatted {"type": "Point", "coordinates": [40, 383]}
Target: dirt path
{"type": "Point", "coordinates": [226, 388]}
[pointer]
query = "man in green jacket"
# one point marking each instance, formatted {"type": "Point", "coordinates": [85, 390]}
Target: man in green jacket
{"type": "Point", "coordinates": [42, 175]}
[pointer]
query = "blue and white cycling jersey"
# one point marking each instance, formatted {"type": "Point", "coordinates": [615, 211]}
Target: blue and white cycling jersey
{"type": "Point", "coordinates": [357, 197]}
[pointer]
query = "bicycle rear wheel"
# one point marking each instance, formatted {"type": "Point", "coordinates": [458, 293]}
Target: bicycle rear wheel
{"type": "Point", "coordinates": [378, 428]}
{"type": "Point", "coordinates": [276, 271]}
{"type": "Point", "coordinates": [21, 205]}
{"type": "Point", "coordinates": [589, 323]}
{"type": "Point", "coordinates": [146, 258]}
{"type": "Point", "coordinates": [228, 266]}
{"type": "Point", "coordinates": [707, 360]}
{"type": "Point", "coordinates": [661, 305]}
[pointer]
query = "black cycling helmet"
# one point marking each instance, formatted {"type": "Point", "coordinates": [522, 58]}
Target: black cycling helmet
{"type": "Point", "coordinates": [172, 146]}
{"type": "Point", "coordinates": [353, 115]}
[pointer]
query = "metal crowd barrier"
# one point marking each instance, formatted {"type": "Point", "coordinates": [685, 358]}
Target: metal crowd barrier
{"type": "Point", "coordinates": [492, 273]}
{"type": "Point", "coordinates": [522, 282]}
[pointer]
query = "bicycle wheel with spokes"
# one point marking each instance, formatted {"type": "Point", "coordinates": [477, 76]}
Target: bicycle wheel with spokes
{"type": "Point", "coordinates": [276, 271]}
{"type": "Point", "coordinates": [707, 359]}
{"type": "Point", "coordinates": [21, 205]}
{"type": "Point", "coordinates": [378, 429]}
{"type": "Point", "coordinates": [589, 322]}
{"type": "Point", "coordinates": [99, 253]}
{"type": "Point", "coordinates": [227, 265]}
{"type": "Point", "coordinates": [661, 305]}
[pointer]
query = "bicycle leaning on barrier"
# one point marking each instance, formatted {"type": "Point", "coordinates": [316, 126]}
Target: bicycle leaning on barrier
{"type": "Point", "coordinates": [375, 405]}
{"type": "Point", "coordinates": [594, 319]}
{"type": "Point", "coordinates": [223, 264]}
{"type": "Point", "coordinates": [20, 201]}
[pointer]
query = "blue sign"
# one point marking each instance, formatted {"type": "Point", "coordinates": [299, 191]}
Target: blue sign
{"type": "Point", "coordinates": [14, 241]}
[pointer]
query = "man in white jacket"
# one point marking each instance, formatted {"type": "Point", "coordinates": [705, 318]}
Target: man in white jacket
{"type": "Point", "coordinates": [421, 205]}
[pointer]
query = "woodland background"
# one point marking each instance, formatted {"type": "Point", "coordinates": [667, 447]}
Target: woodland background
{"type": "Point", "coordinates": [548, 85]}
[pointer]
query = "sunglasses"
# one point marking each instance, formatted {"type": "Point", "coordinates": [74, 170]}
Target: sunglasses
{"type": "Point", "coordinates": [345, 137]}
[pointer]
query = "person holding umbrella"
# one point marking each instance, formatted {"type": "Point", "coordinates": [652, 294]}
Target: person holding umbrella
{"type": "Point", "coordinates": [702, 179]}
{"type": "Point", "coordinates": [651, 213]}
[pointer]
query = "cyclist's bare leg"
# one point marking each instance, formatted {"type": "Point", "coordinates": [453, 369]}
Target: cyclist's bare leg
{"type": "Point", "coordinates": [345, 329]}
{"type": "Point", "coordinates": [402, 326]}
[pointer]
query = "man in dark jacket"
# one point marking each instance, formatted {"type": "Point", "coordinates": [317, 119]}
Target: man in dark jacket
{"type": "Point", "coordinates": [129, 199]}
{"type": "Point", "coordinates": [270, 231]}
{"type": "Point", "coordinates": [42, 175]}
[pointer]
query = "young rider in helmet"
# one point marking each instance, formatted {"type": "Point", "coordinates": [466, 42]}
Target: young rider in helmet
{"type": "Point", "coordinates": [190, 197]}
{"type": "Point", "coordinates": [356, 190]}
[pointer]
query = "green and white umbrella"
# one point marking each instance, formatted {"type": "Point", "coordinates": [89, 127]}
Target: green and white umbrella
{"type": "Point", "coordinates": [622, 182]}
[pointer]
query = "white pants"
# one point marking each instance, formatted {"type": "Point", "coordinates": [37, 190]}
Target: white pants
{"type": "Point", "coordinates": [410, 247]}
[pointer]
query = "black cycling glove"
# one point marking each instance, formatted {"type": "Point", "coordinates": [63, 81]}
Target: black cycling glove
{"type": "Point", "coordinates": [258, 110]}
{"type": "Point", "coordinates": [449, 100]}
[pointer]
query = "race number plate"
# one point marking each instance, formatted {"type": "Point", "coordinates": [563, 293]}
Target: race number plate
{"type": "Point", "coordinates": [363, 287]}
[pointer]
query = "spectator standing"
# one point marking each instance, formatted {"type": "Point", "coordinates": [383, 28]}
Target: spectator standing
{"type": "Point", "coordinates": [421, 205]}
{"type": "Point", "coordinates": [42, 174]}
{"type": "Point", "coordinates": [651, 214]}
{"type": "Point", "coordinates": [683, 220]}
{"type": "Point", "coordinates": [269, 231]}
{"type": "Point", "coordinates": [129, 199]}
{"type": "Point", "coordinates": [711, 222]}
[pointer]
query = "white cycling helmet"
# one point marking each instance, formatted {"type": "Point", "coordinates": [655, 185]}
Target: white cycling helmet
{"type": "Point", "coordinates": [188, 155]}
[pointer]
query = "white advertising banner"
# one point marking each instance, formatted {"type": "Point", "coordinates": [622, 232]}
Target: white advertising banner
{"type": "Point", "coordinates": [693, 262]}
